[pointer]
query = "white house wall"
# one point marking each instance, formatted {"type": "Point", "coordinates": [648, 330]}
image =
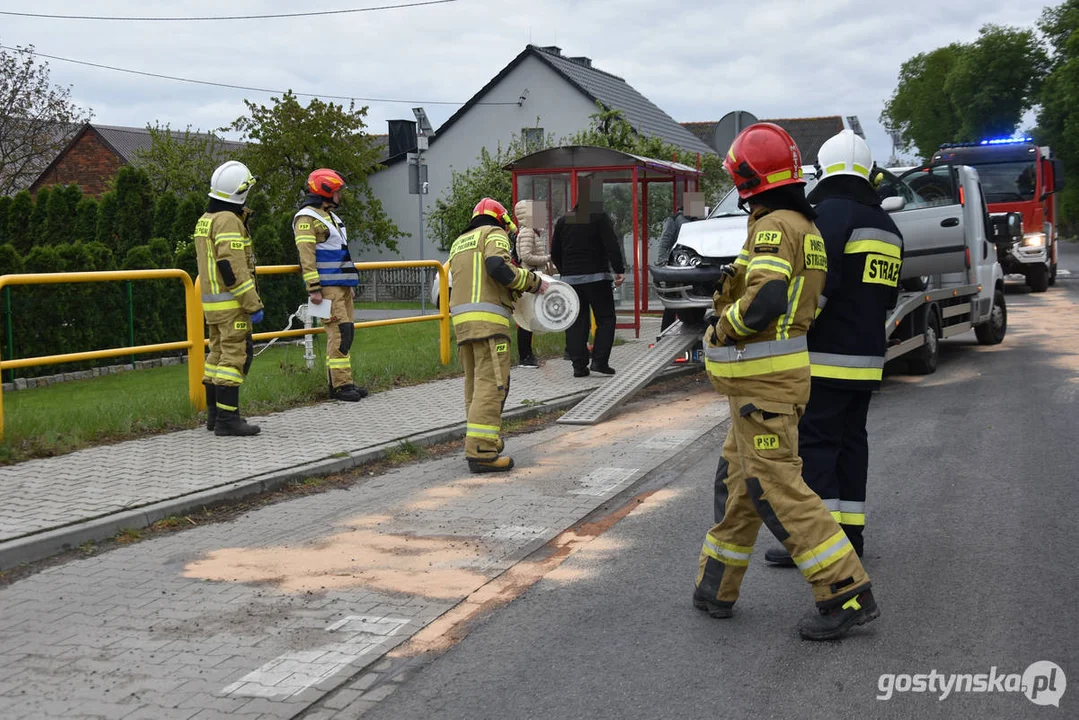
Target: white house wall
{"type": "Point", "coordinates": [560, 107]}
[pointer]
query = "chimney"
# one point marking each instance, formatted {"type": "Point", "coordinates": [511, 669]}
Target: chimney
{"type": "Point", "coordinates": [402, 137]}
{"type": "Point", "coordinates": [582, 60]}
{"type": "Point", "coordinates": [552, 50]}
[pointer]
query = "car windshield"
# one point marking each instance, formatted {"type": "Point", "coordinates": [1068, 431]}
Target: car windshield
{"type": "Point", "coordinates": [728, 206]}
{"type": "Point", "coordinates": [1007, 182]}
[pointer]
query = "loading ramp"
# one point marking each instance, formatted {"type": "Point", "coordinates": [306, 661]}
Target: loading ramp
{"type": "Point", "coordinates": [672, 342]}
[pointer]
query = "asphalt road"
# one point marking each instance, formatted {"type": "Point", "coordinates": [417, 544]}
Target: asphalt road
{"type": "Point", "coordinates": [970, 546]}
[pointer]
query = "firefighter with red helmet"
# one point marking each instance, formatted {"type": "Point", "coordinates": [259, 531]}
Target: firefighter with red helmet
{"type": "Point", "coordinates": [756, 355]}
{"type": "Point", "coordinates": [485, 286]}
{"type": "Point", "coordinates": [330, 275]}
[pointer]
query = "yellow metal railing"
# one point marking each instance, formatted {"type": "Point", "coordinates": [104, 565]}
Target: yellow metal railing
{"type": "Point", "coordinates": [196, 341]}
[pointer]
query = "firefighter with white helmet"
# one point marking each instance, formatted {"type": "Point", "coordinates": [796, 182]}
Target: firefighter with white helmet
{"type": "Point", "coordinates": [847, 341]}
{"type": "Point", "coordinates": [485, 286]}
{"type": "Point", "coordinates": [329, 275]}
{"type": "Point", "coordinates": [756, 355]}
{"type": "Point", "coordinates": [230, 300]}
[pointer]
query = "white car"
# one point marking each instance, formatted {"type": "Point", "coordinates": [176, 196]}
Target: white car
{"type": "Point", "coordinates": [686, 282]}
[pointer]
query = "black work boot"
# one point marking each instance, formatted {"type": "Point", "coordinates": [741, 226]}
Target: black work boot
{"type": "Point", "coordinates": [229, 421]}
{"type": "Point", "coordinates": [715, 608]}
{"type": "Point", "coordinates": [211, 405]}
{"type": "Point", "coordinates": [831, 623]}
{"type": "Point", "coordinates": [779, 557]}
{"type": "Point", "coordinates": [502, 463]}
{"type": "Point", "coordinates": [348, 393]}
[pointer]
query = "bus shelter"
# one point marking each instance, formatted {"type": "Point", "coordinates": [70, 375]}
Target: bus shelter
{"type": "Point", "coordinates": [552, 177]}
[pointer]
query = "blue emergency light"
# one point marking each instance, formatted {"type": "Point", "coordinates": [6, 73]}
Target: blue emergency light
{"type": "Point", "coordinates": [1006, 141]}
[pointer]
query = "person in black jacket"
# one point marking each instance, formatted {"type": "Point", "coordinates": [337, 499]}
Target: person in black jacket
{"type": "Point", "coordinates": [847, 341]}
{"type": "Point", "coordinates": [584, 248]}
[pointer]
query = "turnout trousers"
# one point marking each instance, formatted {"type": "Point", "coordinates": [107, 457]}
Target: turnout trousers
{"type": "Point", "coordinates": [339, 334]}
{"type": "Point", "coordinates": [834, 447]}
{"type": "Point", "coordinates": [487, 383]}
{"type": "Point", "coordinates": [759, 480]}
{"type": "Point", "coordinates": [231, 351]}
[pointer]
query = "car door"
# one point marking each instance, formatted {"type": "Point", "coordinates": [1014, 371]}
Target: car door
{"type": "Point", "coordinates": [932, 223]}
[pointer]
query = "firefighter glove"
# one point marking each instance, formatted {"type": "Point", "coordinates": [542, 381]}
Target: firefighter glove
{"type": "Point", "coordinates": [256, 317]}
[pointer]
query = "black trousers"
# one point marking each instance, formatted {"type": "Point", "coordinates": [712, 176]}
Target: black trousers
{"type": "Point", "coordinates": [524, 343]}
{"type": "Point", "coordinates": [596, 298]}
{"type": "Point", "coordinates": [834, 446]}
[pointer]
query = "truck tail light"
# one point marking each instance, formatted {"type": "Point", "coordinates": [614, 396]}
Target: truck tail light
{"type": "Point", "coordinates": [962, 196]}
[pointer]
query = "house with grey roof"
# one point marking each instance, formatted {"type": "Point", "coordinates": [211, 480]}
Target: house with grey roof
{"type": "Point", "coordinates": [809, 133]}
{"type": "Point", "coordinates": [540, 93]}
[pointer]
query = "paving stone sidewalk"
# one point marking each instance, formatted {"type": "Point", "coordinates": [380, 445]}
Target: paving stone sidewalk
{"type": "Point", "coordinates": [43, 502]}
{"type": "Point", "coordinates": [287, 611]}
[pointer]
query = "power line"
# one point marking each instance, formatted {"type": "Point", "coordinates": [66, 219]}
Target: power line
{"type": "Point", "coordinates": [240, 87]}
{"type": "Point", "coordinates": [226, 17]}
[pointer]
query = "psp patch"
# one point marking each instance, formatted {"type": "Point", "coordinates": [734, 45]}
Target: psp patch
{"type": "Point", "coordinates": [304, 226]}
{"type": "Point", "coordinates": [881, 270]}
{"type": "Point", "coordinates": [502, 347]}
{"type": "Point", "coordinates": [816, 256]}
{"type": "Point", "coordinates": [768, 237]}
{"type": "Point", "coordinates": [237, 244]}
{"type": "Point", "coordinates": [240, 325]}
{"type": "Point", "coordinates": [766, 442]}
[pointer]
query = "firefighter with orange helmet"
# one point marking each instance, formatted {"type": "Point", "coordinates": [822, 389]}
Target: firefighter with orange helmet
{"type": "Point", "coordinates": [330, 275]}
{"type": "Point", "coordinates": [756, 355]}
{"type": "Point", "coordinates": [485, 286]}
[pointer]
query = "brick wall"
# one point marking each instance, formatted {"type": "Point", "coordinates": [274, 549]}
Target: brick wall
{"type": "Point", "coordinates": [89, 163]}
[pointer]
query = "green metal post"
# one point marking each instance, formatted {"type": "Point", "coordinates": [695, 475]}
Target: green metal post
{"type": "Point", "coordinates": [131, 321]}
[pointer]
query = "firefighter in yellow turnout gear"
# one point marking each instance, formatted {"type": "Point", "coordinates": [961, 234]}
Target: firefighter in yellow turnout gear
{"type": "Point", "coordinates": [756, 354]}
{"type": "Point", "coordinates": [329, 275]}
{"type": "Point", "coordinates": [485, 286]}
{"type": "Point", "coordinates": [230, 301]}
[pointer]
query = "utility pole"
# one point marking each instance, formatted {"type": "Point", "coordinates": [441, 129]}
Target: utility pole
{"type": "Point", "coordinates": [419, 185]}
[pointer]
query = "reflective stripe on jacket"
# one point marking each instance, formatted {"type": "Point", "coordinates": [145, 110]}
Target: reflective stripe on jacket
{"type": "Point", "coordinates": [333, 264]}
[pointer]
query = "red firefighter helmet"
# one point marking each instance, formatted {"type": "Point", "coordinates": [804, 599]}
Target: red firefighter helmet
{"type": "Point", "coordinates": [324, 182]}
{"type": "Point", "coordinates": [490, 206]}
{"type": "Point", "coordinates": [763, 156]}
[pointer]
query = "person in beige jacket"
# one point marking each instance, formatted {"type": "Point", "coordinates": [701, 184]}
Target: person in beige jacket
{"type": "Point", "coordinates": [533, 255]}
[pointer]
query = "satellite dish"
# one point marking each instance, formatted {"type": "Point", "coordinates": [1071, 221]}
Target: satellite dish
{"type": "Point", "coordinates": [729, 126]}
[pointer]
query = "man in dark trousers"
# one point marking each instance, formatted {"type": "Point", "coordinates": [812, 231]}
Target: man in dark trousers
{"type": "Point", "coordinates": [847, 341]}
{"type": "Point", "coordinates": [584, 248]}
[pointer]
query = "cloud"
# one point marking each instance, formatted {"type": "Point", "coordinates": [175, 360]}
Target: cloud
{"type": "Point", "coordinates": [697, 61]}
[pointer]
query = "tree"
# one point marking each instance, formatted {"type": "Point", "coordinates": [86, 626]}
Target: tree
{"type": "Point", "coordinates": [106, 220]}
{"type": "Point", "coordinates": [291, 140]}
{"type": "Point", "coordinates": [187, 215]}
{"type": "Point", "coordinates": [37, 119]}
{"type": "Point", "coordinates": [5, 206]}
{"type": "Point", "coordinates": [19, 232]}
{"type": "Point", "coordinates": [37, 218]}
{"type": "Point", "coordinates": [85, 227]}
{"type": "Point", "coordinates": [58, 216]}
{"type": "Point", "coordinates": [995, 80]}
{"type": "Point", "coordinates": [180, 162]}
{"type": "Point", "coordinates": [1058, 118]}
{"type": "Point", "coordinates": [453, 211]}
{"type": "Point", "coordinates": [920, 108]}
{"type": "Point", "coordinates": [165, 209]}
{"type": "Point", "coordinates": [134, 207]}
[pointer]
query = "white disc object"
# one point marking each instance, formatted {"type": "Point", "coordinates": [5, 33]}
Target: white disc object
{"type": "Point", "coordinates": [553, 311]}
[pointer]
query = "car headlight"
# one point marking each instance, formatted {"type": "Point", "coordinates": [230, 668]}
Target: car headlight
{"type": "Point", "coordinates": [1034, 240]}
{"type": "Point", "coordinates": [685, 257]}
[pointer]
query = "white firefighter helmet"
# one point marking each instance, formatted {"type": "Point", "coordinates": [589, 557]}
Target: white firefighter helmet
{"type": "Point", "coordinates": [845, 154]}
{"type": "Point", "coordinates": [230, 182]}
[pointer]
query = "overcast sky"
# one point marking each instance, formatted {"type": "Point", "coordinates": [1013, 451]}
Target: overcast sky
{"type": "Point", "coordinates": [696, 60]}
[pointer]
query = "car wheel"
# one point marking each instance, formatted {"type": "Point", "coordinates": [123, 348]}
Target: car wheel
{"type": "Point", "coordinates": [992, 332]}
{"type": "Point", "coordinates": [924, 361]}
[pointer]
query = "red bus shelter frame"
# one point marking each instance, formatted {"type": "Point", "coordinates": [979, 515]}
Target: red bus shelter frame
{"type": "Point", "coordinates": [643, 172]}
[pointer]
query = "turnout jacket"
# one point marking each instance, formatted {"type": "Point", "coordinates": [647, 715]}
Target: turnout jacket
{"type": "Point", "coordinates": [226, 266]}
{"type": "Point", "coordinates": [756, 345]}
{"type": "Point", "coordinates": [323, 247]}
{"type": "Point", "coordinates": [485, 284]}
{"type": "Point", "coordinates": [847, 342]}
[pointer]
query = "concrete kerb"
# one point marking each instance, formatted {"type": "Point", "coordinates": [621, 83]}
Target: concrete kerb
{"type": "Point", "coordinates": [40, 546]}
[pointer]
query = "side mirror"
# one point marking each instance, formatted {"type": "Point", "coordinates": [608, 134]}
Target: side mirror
{"type": "Point", "coordinates": [892, 204]}
{"type": "Point", "coordinates": [1007, 228]}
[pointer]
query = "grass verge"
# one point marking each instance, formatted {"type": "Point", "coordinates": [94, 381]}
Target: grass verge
{"type": "Point", "coordinates": [62, 418]}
